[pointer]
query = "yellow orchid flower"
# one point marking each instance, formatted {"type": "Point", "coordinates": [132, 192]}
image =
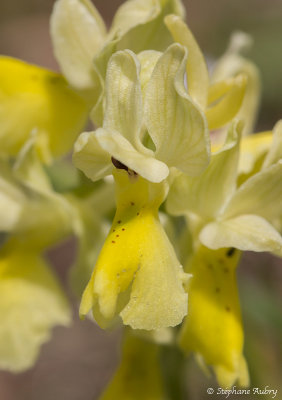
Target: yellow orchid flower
{"type": "Point", "coordinates": [220, 101]}
{"type": "Point", "coordinates": [224, 217]}
{"type": "Point", "coordinates": [137, 259]}
{"type": "Point", "coordinates": [213, 328]}
{"type": "Point", "coordinates": [175, 124]}
{"type": "Point", "coordinates": [31, 304]}
{"type": "Point", "coordinates": [83, 47]}
{"type": "Point", "coordinates": [43, 103]}
{"type": "Point", "coordinates": [233, 217]}
{"type": "Point", "coordinates": [33, 217]}
{"type": "Point", "coordinates": [137, 274]}
{"type": "Point", "coordinates": [139, 375]}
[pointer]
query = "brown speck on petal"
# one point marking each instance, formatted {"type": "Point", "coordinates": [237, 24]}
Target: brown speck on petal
{"type": "Point", "coordinates": [230, 252]}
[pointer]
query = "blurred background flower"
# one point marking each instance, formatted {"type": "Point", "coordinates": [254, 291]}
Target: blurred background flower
{"type": "Point", "coordinates": [79, 361]}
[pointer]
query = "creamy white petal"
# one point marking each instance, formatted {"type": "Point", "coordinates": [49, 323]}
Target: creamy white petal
{"type": "Point", "coordinates": [261, 195]}
{"type": "Point", "coordinates": [121, 149]}
{"type": "Point", "coordinates": [206, 194]}
{"type": "Point", "coordinates": [196, 68]}
{"type": "Point", "coordinates": [77, 33]}
{"type": "Point", "coordinates": [123, 97]}
{"type": "Point", "coordinates": [175, 124]}
{"type": "Point", "coordinates": [133, 13]}
{"type": "Point", "coordinates": [245, 232]}
{"type": "Point", "coordinates": [137, 21]}
{"type": "Point", "coordinates": [148, 60]}
{"type": "Point", "coordinates": [90, 157]}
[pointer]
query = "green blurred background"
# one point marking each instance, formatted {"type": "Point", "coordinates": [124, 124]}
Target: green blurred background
{"type": "Point", "coordinates": [77, 362]}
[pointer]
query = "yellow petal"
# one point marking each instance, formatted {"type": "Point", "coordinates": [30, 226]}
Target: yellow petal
{"type": "Point", "coordinates": [228, 96]}
{"type": "Point", "coordinates": [41, 100]}
{"type": "Point", "coordinates": [137, 263]}
{"type": "Point", "coordinates": [213, 327]}
{"type": "Point", "coordinates": [175, 123]}
{"type": "Point", "coordinates": [138, 376]}
{"type": "Point", "coordinates": [31, 304]}
{"type": "Point", "coordinates": [196, 68]}
{"type": "Point", "coordinates": [245, 232]}
{"type": "Point", "coordinates": [137, 21]}
{"type": "Point", "coordinates": [253, 150]}
{"type": "Point", "coordinates": [232, 64]}
{"type": "Point", "coordinates": [148, 60]}
{"type": "Point", "coordinates": [123, 97]}
{"type": "Point", "coordinates": [78, 33]}
{"type": "Point", "coordinates": [188, 195]}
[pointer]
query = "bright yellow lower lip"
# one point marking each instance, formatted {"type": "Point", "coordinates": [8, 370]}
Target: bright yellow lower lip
{"type": "Point", "coordinates": [137, 263]}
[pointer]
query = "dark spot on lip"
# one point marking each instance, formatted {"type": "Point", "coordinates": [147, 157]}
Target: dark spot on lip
{"type": "Point", "coordinates": [227, 308]}
{"type": "Point", "coordinates": [118, 164]}
{"type": "Point", "coordinates": [226, 270]}
{"type": "Point", "coordinates": [217, 290]}
{"type": "Point", "coordinates": [230, 252]}
{"type": "Point", "coordinates": [132, 203]}
{"type": "Point", "coordinates": [113, 241]}
{"type": "Point", "coordinates": [138, 213]}
{"type": "Point", "coordinates": [119, 222]}
{"type": "Point", "coordinates": [210, 266]}
{"type": "Point", "coordinates": [123, 229]}
{"type": "Point", "coordinates": [131, 172]}
{"type": "Point", "coordinates": [117, 235]}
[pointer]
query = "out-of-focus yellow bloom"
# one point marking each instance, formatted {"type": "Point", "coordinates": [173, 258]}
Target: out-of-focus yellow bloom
{"type": "Point", "coordinates": [233, 63]}
{"type": "Point", "coordinates": [137, 274]}
{"type": "Point", "coordinates": [240, 217]}
{"type": "Point", "coordinates": [31, 304]}
{"type": "Point", "coordinates": [225, 216]}
{"type": "Point", "coordinates": [213, 328]}
{"type": "Point", "coordinates": [220, 101]}
{"type": "Point", "coordinates": [35, 100]}
{"type": "Point", "coordinates": [260, 150]}
{"type": "Point", "coordinates": [31, 301]}
{"type": "Point", "coordinates": [138, 377]}
{"type": "Point", "coordinates": [30, 205]}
